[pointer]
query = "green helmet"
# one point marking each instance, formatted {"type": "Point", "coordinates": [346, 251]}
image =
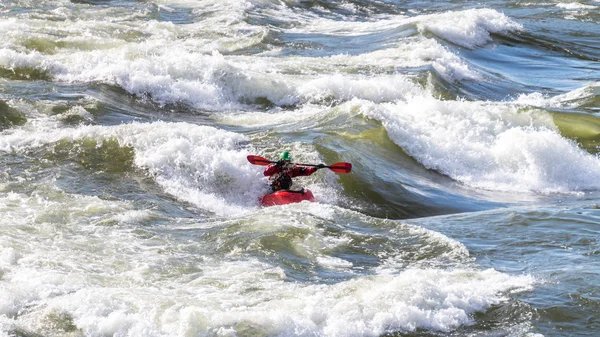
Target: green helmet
{"type": "Point", "coordinates": [285, 155]}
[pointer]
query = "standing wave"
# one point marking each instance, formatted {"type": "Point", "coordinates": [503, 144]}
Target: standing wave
{"type": "Point", "coordinates": [493, 146]}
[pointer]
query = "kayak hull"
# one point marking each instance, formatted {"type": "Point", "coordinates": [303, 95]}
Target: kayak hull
{"type": "Point", "coordinates": [287, 197]}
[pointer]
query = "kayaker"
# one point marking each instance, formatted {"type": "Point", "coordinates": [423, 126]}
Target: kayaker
{"type": "Point", "coordinates": [282, 172]}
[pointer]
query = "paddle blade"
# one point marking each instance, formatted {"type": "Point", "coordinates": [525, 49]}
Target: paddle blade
{"type": "Point", "coordinates": [340, 167]}
{"type": "Point", "coordinates": [257, 160]}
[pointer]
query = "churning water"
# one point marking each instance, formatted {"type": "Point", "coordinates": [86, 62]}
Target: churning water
{"type": "Point", "coordinates": [128, 207]}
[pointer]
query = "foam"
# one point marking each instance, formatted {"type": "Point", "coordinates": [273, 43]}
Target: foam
{"type": "Point", "coordinates": [470, 28]}
{"type": "Point", "coordinates": [112, 280]}
{"type": "Point", "coordinates": [311, 23]}
{"type": "Point", "coordinates": [427, 299]}
{"type": "Point", "coordinates": [152, 58]}
{"type": "Point", "coordinates": [496, 146]}
{"type": "Point", "coordinates": [96, 262]}
{"type": "Point", "coordinates": [173, 63]}
{"type": "Point", "coordinates": [12, 59]}
{"type": "Point", "coordinates": [34, 274]}
{"type": "Point", "coordinates": [220, 301]}
{"type": "Point", "coordinates": [569, 100]}
{"type": "Point", "coordinates": [416, 53]}
{"type": "Point", "coordinates": [198, 164]}
{"type": "Point", "coordinates": [378, 89]}
{"type": "Point", "coordinates": [575, 6]}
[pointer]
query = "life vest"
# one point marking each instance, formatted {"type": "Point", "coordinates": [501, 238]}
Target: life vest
{"type": "Point", "coordinates": [283, 181]}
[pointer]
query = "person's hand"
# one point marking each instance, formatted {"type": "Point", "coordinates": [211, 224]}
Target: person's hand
{"type": "Point", "coordinates": [320, 166]}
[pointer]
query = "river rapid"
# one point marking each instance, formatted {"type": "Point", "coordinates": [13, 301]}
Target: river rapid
{"type": "Point", "coordinates": [128, 207]}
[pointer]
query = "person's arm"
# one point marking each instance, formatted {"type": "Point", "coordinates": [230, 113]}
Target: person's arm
{"type": "Point", "coordinates": [303, 171]}
{"type": "Point", "coordinates": [274, 168]}
{"type": "Point", "coordinates": [271, 170]}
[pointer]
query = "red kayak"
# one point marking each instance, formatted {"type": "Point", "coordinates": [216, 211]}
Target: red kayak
{"type": "Point", "coordinates": [287, 197]}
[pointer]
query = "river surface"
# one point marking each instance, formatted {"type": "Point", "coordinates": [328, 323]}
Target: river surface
{"type": "Point", "coordinates": [128, 207]}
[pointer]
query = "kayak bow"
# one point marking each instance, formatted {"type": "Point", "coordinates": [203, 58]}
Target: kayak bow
{"type": "Point", "coordinates": [287, 197]}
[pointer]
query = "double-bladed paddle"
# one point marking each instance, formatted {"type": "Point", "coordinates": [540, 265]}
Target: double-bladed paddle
{"type": "Point", "coordinates": [341, 167]}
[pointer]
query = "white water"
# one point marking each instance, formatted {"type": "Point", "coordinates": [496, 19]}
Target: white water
{"type": "Point", "coordinates": [170, 64]}
{"type": "Point", "coordinates": [107, 276]}
{"type": "Point", "coordinates": [77, 264]}
{"type": "Point", "coordinates": [498, 146]}
{"type": "Point", "coordinates": [198, 164]}
{"type": "Point", "coordinates": [495, 146]}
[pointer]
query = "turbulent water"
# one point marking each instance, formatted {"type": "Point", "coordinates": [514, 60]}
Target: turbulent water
{"type": "Point", "coordinates": [128, 207]}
